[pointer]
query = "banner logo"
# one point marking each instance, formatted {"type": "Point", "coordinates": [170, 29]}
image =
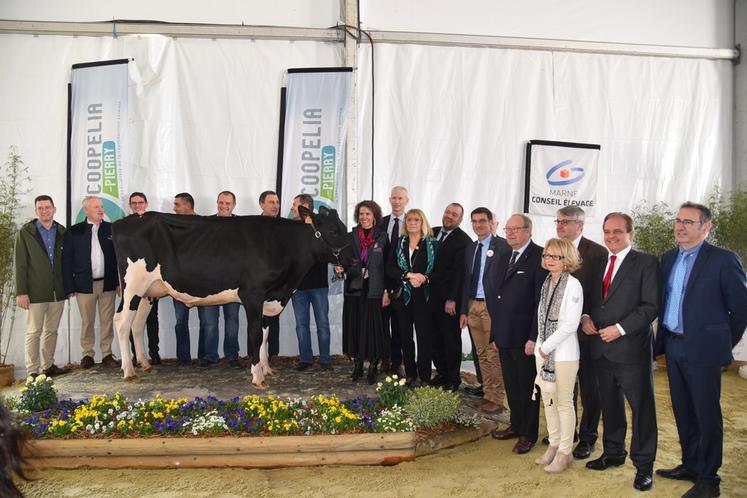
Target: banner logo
{"type": "Point", "coordinates": [565, 176]}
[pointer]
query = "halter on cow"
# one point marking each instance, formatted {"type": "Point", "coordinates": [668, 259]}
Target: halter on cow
{"type": "Point", "coordinates": [206, 261]}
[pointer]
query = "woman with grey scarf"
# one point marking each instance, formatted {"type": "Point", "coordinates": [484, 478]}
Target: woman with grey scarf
{"type": "Point", "coordinates": [557, 350]}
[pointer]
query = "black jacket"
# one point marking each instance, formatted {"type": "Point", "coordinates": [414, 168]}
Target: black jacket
{"type": "Point", "coordinates": [76, 258]}
{"type": "Point", "coordinates": [447, 279]}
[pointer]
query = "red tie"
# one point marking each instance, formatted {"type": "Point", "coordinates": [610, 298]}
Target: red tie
{"type": "Point", "coordinates": [608, 277]}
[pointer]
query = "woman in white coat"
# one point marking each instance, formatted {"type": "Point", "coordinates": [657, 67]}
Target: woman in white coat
{"type": "Point", "coordinates": [557, 351]}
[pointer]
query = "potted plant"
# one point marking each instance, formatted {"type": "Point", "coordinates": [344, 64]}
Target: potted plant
{"type": "Point", "coordinates": [13, 176]}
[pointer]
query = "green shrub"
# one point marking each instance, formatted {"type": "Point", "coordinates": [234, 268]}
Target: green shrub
{"type": "Point", "coordinates": [392, 391]}
{"type": "Point", "coordinates": [654, 229]}
{"type": "Point", "coordinates": [428, 406]}
{"type": "Point", "coordinates": [38, 394]}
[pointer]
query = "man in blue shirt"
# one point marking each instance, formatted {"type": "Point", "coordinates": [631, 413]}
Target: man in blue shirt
{"type": "Point", "coordinates": [704, 315]}
{"type": "Point", "coordinates": [39, 288]}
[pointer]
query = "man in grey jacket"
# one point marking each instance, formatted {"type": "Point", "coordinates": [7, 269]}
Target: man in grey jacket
{"type": "Point", "coordinates": [39, 289]}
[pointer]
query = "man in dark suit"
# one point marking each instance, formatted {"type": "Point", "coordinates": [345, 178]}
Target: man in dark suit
{"type": "Point", "coordinates": [394, 223]}
{"type": "Point", "coordinates": [569, 225]}
{"type": "Point", "coordinates": [703, 317]}
{"type": "Point", "coordinates": [269, 203]}
{"type": "Point", "coordinates": [446, 284]}
{"type": "Point", "coordinates": [513, 312]}
{"type": "Point", "coordinates": [89, 269]}
{"type": "Point", "coordinates": [619, 306]}
{"type": "Point", "coordinates": [480, 259]}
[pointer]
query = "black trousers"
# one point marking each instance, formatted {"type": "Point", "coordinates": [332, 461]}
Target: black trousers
{"type": "Point", "coordinates": [588, 387]}
{"type": "Point", "coordinates": [446, 346]}
{"type": "Point", "coordinates": [273, 338]}
{"type": "Point", "coordinates": [415, 315]}
{"type": "Point", "coordinates": [634, 382]}
{"type": "Point", "coordinates": [391, 324]}
{"type": "Point", "coordinates": [519, 372]}
{"type": "Point", "coordinates": [696, 402]}
{"type": "Point", "coordinates": [151, 325]}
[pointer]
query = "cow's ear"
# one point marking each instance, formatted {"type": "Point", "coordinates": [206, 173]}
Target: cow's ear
{"type": "Point", "coordinates": [304, 212]}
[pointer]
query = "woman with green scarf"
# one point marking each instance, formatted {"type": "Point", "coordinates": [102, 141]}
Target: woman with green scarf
{"type": "Point", "coordinates": [411, 264]}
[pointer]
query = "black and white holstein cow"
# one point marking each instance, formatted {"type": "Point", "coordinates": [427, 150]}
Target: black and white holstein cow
{"type": "Point", "coordinates": [257, 261]}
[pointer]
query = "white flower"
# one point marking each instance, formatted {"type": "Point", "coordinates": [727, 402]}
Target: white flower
{"type": "Point", "coordinates": [379, 385]}
{"type": "Point", "coordinates": [388, 379]}
{"type": "Point", "coordinates": [395, 377]}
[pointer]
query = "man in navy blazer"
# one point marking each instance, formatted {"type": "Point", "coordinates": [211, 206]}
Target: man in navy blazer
{"type": "Point", "coordinates": [620, 304]}
{"type": "Point", "coordinates": [480, 258]}
{"type": "Point", "coordinates": [89, 271]}
{"type": "Point", "coordinates": [703, 317]}
{"type": "Point", "coordinates": [513, 310]}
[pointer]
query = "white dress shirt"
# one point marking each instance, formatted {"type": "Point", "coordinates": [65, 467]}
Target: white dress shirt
{"type": "Point", "coordinates": [97, 255]}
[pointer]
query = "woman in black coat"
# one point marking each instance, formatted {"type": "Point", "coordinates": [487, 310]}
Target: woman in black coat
{"type": "Point", "coordinates": [364, 334]}
{"type": "Point", "coordinates": [411, 264]}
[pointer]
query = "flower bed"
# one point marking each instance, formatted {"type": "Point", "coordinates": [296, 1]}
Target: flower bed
{"type": "Point", "coordinates": [111, 431]}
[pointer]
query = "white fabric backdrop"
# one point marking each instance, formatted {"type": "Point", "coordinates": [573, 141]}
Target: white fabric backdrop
{"type": "Point", "coordinates": [451, 124]}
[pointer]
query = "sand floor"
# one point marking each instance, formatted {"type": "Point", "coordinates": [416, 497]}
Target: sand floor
{"type": "Point", "coordinates": [482, 468]}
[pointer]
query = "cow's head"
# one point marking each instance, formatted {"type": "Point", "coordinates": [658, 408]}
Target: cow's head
{"type": "Point", "coordinates": [332, 232]}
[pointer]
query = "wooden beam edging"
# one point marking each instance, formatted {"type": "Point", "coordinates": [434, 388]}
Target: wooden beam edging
{"type": "Point", "coordinates": [245, 452]}
{"type": "Point", "coordinates": [437, 442]}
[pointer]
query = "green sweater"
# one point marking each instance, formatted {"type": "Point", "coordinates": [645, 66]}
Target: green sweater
{"type": "Point", "coordinates": [34, 274]}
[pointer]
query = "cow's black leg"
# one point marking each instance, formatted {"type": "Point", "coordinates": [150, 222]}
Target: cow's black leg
{"type": "Point", "coordinates": [253, 307]}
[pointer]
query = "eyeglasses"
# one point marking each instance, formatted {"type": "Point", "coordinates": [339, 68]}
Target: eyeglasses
{"type": "Point", "coordinates": [565, 222]}
{"type": "Point", "coordinates": [514, 229]}
{"type": "Point", "coordinates": [137, 203]}
{"type": "Point", "coordinates": [687, 223]}
{"type": "Point", "coordinates": [553, 257]}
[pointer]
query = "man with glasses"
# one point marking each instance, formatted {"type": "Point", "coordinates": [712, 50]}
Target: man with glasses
{"type": "Point", "coordinates": [514, 329]}
{"type": "Point", "coordinates": [619, 306]}
{"type": "Point", "coordinates": [138, 206]}
{"type": "Point", "coordinates": [703, 317]}
{"type": "Point", "coordinates": [569, 225]}
{"type": "Point", "coordinates": [481, 259]}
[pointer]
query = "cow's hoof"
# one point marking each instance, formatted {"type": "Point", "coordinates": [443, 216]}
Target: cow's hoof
{"type": "Point", "coordinates": [271, 373]}
{"type": "Point", "coordinates": [262, 385]}
{"type": "Point", "coordinates": [132, 378]}
{"type": "Point", "coordinates": [149, 370]}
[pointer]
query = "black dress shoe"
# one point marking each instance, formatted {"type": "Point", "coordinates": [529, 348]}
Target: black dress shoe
{"type": "Point", "coordinates": [504, 435]}
{"type": "Point", "coordinates": [54, 371]}
{"type": "Point", "coordinates": [302, 365]}
{"type": "Point", "coordinates": [155, 359]}
{"type": "Point", "coordinates": [523, 445]}
{"type": "Point", "coordinates": [452, 387]}
{"type": "Point", "coordinates": [679, 473]}
{"type": "Point", "coordinates": [546, 440]}
{"type": "Point", "coordinates": [583, 450]}
{"type": "Point", "coordinates": [703, 490]}
{"type": "Point", "coordinates": [474, 391]}
{"type": "Point", "coordinates": [605, 461]}
{"type": "Point", "coordinates": [372, 371]}
{"type": "Point", "coordinates": [643, 480]}
{"type": "Point", "coordinates": [438, 381]}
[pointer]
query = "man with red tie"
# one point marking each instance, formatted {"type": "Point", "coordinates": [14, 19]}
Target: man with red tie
{"type": "Point", "coordinates": [620, 304]}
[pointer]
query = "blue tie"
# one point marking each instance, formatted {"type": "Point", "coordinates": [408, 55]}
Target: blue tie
{"type": "Point", "coordinates": [672, 314]}
{"type": "Point", "coordinates": [475, 280]}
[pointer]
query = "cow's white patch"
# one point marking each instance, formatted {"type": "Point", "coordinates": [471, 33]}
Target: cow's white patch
{"type": "Point", "coordinates": [272, 308]}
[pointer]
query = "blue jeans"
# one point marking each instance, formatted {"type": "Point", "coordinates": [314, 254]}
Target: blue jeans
{"type": "Point", "coordinates": [207, 351]}
{"type": "Point", "coordinates": [183, 353]}
{"type": "Point", "coordinates": [318, 299]}
{"type": "Point", "coordinates": [231, 330]}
